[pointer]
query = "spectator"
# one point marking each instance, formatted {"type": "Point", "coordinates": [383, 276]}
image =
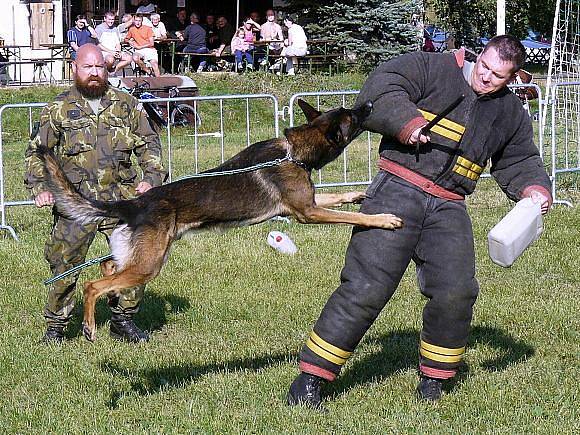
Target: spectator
{"type": "Point", "coordinates": [79, 35]}
{"type": "Point", "coordinates": [194, 34]}
{"type": "Point", "coordinates": [241, 47]}
{"type": "Point", "coordinates": [225, 34]}
{"type": "Point", "coordinates": [159, 31]}
{"type": "Point", "coordinates": [271, 31]}
{"type": "Point", "coordinates": [179, 23]}
{"type": "Point", "coordinates": [294, 46]}
{"type": "Point", "coordinates": [212, 39]}
{"type": "Point", "coordinates": [141, 38]}
{"type": "Point", "coordinates": [100, 166]}
{"type": "Point", "coordinates": [123, 27]}
{"type": "Point", "coordinates": [110, 44]}
{"type": "Point", "coordinates": [256, 18]}
{"type": "Point", "coordinates": [146, 7]}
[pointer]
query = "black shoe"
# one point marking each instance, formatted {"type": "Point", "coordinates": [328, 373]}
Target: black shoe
{"type": "Point", "coordinates": [123, 329]}
{"type": "Point", "coordinates": [305, 390]}
{"type": "Point", "coordinates": [53, 335]}
{"type": "Point", "coordinates": [429, 389]}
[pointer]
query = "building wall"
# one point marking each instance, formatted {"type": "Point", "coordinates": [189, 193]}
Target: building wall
{"type": "Point", "coordinates": [15, 30]}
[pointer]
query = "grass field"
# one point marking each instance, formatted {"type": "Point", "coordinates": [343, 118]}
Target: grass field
{"type": "Point", "coordinates": [229, 315]}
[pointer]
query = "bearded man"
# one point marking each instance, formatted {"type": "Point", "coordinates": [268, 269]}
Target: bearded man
{"type": "Point", "coordinates": [93, 130]}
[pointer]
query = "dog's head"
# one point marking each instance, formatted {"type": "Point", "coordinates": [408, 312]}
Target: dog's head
{"type": "Point", "coordinates": [338, 127]}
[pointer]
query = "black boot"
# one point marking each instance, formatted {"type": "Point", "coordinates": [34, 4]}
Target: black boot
{"type": "Point", "coordinates": [53, 335]}
{"type": "Point", "coordinates": [429, 389]}
{"type": "Point", "coordinates": [123, 329]}
{"type": "Point", "coordinates": [305, 390]}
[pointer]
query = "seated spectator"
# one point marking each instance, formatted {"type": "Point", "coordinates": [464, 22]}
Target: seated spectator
{"type": "Point", "coordinates": [212, 39]}
{"type": "Point", "coordinates": [141, 38]}
{"type": "Point", "coordinates": [225, 35]}
{"type": "Point", "coordinates": [242, 48]}
{"type": "Point", "coordinates": [256, 18]}
{"type": "Point", "coordinates": [194, 35]}
{"type": "Point", "coordinates": [159, 31]}
{"type": "Point", "coordinates": [146, 7]}
{"type": "Point", "coordinates": [177, 24]}
{"type": "Point", "coordinates": [123, 27]}
{"type": "Point", "coordinates": [295, 46]}
{"type": "Point", "coordinates": [110, 44]}
{"type": "Point", "coordinates": [82, 33]}
{"type": "Point", "coordinates": [271, 31]}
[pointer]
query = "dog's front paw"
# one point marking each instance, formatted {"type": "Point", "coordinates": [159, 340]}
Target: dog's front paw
{"type": "Point", "coordinates": [390, 221]}
{"type": "Point", "coordinates": [89, 332]}
{"type": "Point", "coordinates": [354, 197]}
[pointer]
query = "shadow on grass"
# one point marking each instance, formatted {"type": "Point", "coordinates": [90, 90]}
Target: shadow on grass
{"type": "Point", "coordinates": [152, 315]}
{"type": "Point", "coordinates": [152, 381]}
{"type": "Point", "coordinates": [399, 352]}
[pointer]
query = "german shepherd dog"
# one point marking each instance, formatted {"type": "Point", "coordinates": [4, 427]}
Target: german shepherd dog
{"type": "Point", "coordinates": [151, 222]}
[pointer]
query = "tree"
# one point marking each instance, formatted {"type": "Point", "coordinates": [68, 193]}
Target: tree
{"type": "Point", "coordinates": [370, 31]}
{"type": "Point", "coordinates": [470, 20]}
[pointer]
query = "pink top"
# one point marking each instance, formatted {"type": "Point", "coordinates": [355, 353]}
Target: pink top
{"type": "Point", "coordinates": [249, 36]}
{"type": "Point", "coordinates": [239, 44]}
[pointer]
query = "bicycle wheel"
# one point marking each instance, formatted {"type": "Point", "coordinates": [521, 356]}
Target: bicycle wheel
{"type": "Point", "coordinates": [184, 114]}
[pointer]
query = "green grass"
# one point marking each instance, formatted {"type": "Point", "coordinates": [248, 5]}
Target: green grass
{"type": "Point", "coordinates": [229, 316]}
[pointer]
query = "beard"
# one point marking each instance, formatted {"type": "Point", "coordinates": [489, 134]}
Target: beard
{"type": "Point", "coordinates": [92, 87]}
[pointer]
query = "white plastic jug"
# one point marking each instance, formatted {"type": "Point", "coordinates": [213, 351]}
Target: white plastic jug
{"type": "Point", "coordinates": [515, 232]}
{"type": "Point", "coordinates": [281, 242]}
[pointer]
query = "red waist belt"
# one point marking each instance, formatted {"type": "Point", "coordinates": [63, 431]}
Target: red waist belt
{"type": "Point", "coordinates": [418, 180]}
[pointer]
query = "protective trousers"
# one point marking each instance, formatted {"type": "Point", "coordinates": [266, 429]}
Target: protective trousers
{"type": "Point", "coordinates": [67, 247]}
{"type": "Point", "coordinates": [437, 235]}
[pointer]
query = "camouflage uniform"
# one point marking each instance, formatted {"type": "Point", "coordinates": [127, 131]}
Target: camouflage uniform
{"type": "Point", "coordinates": [95, 153]}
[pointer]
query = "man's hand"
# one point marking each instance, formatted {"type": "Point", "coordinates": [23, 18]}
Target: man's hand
{"type": "Point", "coordinates": [142, 187]}
{"type": "Point", "coordinates": [417, 137]}
{"type": "Point", "coordinates": [539, 197]}
{"type": "Point", "coordinates": [44, 199]}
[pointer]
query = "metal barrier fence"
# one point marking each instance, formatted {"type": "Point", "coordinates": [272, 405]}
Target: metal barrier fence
{"type": "Point", "coordinates": [188, 147]}
{"type": "Point", "coordinates": [564, 134]}
{"type": "Point", "coordinates": [355, 173]}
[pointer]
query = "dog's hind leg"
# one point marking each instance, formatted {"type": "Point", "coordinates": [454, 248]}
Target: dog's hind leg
{"type": "Point", "coordinates": [337, 199]}
{"type": "Point", "coordinates": [145, 264]}
{"type": "Point", "coordinates": [112, 284]}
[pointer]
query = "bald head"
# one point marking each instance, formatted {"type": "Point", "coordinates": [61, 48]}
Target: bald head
{"type": "Point", "coordinates": [88, 51]}
{"type": "Point", "coordinates": [90, 71]}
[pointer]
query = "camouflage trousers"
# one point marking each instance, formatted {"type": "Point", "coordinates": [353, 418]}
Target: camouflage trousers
{"type": "Point", "coordinates": [67, 247]}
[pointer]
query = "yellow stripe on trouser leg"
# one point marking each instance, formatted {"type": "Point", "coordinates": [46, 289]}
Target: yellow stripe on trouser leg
{"type": "Point", "coordinates": [442, 350]}
{"type": "Point", "coordinates": [329, 347]}
{"type": "Point", "coordinates": [441, 354]}
{"type": "Point", "coordinates": [324, 354]}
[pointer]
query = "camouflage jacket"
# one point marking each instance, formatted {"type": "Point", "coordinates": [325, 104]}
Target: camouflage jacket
{"type": "Point", "coordinates": [95, 149]}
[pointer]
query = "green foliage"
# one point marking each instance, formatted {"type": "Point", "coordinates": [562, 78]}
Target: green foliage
{"type": "Point", "coordinates": [471, 20]}
{"type": "Point", "coordinates": [468, 21]}
{"type": "Point", "coordinates": [369, 31]}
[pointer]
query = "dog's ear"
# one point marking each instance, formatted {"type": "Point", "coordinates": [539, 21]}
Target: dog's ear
{"type": "Point", "coordinates": [310, 112]}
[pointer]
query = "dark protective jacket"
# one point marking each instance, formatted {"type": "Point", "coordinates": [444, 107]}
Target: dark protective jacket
{"type": "Point", "coordinates": [410, 89]}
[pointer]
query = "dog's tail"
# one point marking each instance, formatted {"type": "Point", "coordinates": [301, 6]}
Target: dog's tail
{"type": "Point", "coordinates": [70, 203]}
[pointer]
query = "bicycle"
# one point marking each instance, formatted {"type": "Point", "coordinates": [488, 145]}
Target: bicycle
{"type": "Point", "coordinates": [180, 114]}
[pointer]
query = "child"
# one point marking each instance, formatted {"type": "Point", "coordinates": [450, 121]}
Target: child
{"type": "Point", "coordinates": [241, 47]}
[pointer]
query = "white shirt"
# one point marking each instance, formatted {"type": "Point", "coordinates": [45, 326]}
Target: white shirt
{"type": "Point", "coordinates": [296, 36]}
{"type": "Point", "coordinates": [159, 32]}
